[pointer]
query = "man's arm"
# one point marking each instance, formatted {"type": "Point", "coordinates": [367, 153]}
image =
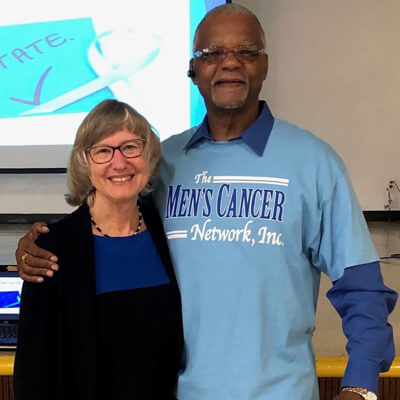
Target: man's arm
{"type": "Point", "coordinates": [33, 261]}
{"type": "Point", "coordinates": [345, 252]}
{"type": "Point", "coordinates": [364, 303]}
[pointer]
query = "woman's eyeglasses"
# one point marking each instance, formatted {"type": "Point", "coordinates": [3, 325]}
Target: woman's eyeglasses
{"type": "Point", "coordinates": [104, 154]}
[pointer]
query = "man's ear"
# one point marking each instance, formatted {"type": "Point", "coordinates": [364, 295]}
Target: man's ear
{"type": "Point", "coordinates": [191, 72]}
{"type": "Point", "coordinates": [265, 65]}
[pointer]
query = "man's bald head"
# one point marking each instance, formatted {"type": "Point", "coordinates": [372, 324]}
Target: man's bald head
{"type": "Point", "coordinates": [230, 9]}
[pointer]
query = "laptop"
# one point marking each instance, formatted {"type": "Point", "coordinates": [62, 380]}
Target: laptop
{"type": "Point", "coordinates": [10, 300]}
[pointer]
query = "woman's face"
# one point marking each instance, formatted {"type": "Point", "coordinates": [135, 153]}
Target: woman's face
{"type": "Point", "coordinates": [121, 179]}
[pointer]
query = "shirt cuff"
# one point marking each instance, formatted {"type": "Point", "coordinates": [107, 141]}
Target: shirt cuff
{"type": "Point", "coordinates": [363, 374]}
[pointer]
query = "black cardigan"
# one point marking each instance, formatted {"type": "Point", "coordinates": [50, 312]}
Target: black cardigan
{"type": "Point", "coordinates": [70, 298]}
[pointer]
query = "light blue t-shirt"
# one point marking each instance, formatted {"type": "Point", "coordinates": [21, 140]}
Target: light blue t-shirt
{"type": "Point", "coordinates": [249, 235]}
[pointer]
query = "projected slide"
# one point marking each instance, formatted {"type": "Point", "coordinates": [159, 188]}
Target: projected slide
{"type": "Point", "coordinates": [37, 52]}
{"type": "Point", "coordinates": [63, 60]}
{"type": "Point", "coordinates": [58, 60]}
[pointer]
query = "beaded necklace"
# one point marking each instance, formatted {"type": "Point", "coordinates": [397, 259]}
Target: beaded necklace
{"type": "Point", "coordinates": [98, 229]}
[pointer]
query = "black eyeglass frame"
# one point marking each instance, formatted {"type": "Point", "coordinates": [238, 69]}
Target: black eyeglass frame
{"type": "Point", "coordinates": [88, 151]}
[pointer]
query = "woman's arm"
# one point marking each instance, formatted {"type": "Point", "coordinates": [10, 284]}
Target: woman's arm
{"type": "Point", "coordinates": [35, 366]}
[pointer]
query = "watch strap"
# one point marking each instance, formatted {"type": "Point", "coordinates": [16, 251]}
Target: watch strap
{"type": "Point", "coordinates": [364, 393]}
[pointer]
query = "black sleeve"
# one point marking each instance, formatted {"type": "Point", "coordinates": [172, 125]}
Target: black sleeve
{"type": "Point", "coordinates": [35, 368]}
{"type": "Point", "coordinates": [155, 226]}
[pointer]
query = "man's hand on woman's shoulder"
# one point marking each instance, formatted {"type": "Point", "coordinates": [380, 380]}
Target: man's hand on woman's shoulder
{"type": "Point", "coordinates": [34, 262]}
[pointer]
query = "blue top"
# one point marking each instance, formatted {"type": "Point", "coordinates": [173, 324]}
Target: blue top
{"type": "Point", "coordinates": [129, 262]}
{"type": "Point", "coordinates": [251, 223]}
{"type": "Point", "coordinates": [137, 320]}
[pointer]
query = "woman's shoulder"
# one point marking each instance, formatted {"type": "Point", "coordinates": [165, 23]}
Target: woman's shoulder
{"type": "Point", "coordinates": [68, 225]}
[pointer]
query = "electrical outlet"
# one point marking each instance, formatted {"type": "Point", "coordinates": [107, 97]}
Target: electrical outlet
{"type": "Point", "coordinates": [392, 196]}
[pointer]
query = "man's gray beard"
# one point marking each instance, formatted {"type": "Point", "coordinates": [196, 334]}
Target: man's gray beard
{"type": "Point", "coordinates": [230, 106]}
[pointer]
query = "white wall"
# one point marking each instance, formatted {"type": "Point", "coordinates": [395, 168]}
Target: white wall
{"type": "Point", "coordinates": [33, 194]}
{"type": "Point", "coordinates": [335, 70]}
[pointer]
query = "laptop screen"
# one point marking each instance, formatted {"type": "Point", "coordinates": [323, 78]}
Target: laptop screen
{"type": "Point", "coordinates": [10, 295]}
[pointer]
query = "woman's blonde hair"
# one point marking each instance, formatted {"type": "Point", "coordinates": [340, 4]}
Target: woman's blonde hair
{"type": "Point", "coordinates": [106, 118]}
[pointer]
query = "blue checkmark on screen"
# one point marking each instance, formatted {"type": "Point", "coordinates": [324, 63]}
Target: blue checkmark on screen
{"type": "Point", "coordinates": [42, 61]}
{"type": "Point", "coordinates": [112, 57]}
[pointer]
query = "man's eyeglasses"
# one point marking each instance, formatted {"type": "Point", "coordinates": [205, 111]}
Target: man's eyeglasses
{"type": "Point", "coordinates": [213, 54]}
{"type": "Point", "coordinates": [103, 154]}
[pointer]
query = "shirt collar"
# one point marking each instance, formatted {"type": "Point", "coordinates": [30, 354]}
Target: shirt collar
{"type": "Point", "coordinates": [255, 136]}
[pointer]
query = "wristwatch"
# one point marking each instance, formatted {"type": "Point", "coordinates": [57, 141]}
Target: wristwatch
{"type": "Point", "coordinates": [364, 393]}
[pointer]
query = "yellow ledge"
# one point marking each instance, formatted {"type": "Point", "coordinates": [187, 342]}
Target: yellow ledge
{"type": "Point", "coordinates": [6, 363]}
{"type": "Point", "coordinates": [327, 367]}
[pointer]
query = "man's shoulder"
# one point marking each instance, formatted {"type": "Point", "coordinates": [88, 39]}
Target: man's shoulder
{"type": "Point", "coordinates": [308, 149]}
{"type": "Point", "coordinates": [301, 138]}
{"type": "Point", "coordinates": [297, 133]}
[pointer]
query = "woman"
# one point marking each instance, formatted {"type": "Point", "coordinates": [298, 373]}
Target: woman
{"type": "Point", "coordinates": [108, 324]}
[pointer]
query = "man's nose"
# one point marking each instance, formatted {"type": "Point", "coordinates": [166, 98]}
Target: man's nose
{"type": "Point", "coordinates": [230, 60]}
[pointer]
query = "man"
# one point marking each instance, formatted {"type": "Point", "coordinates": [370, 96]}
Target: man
{"type": "Point", "coordinates": [254, 209]}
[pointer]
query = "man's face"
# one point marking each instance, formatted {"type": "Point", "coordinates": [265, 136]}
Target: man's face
{"type": "Point", "coordinates": [229, 83]}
